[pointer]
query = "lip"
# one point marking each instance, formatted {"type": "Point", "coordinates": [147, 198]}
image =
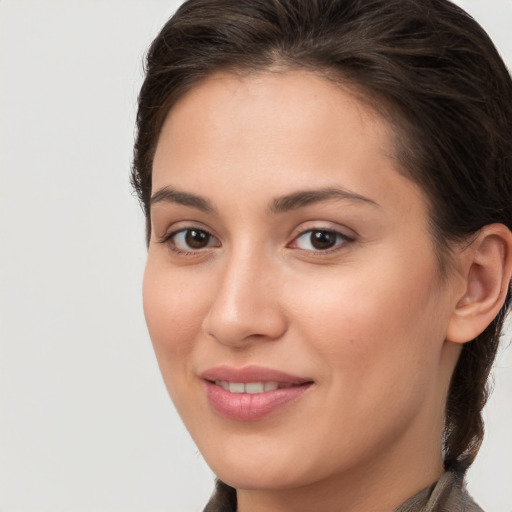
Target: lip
{"type": "Point", "coordinates": [251, 374]}
{"type": "Point", "coordinates": [248, 406]}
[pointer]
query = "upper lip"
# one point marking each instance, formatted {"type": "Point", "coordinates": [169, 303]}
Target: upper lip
{"type": "Point", "coordinates": [251, 373]}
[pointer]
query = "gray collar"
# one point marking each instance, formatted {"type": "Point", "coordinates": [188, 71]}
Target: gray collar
{"type": "Point", "coordinates": [448, 494]}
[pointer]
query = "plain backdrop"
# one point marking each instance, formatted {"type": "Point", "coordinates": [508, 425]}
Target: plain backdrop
{"type": "Point", "coordinates": [85, 421]}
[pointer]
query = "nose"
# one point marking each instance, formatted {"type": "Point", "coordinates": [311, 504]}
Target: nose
{"type": "Point", "coordinates": [246, 306]}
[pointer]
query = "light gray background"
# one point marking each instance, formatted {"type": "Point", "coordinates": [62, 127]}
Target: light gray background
{"type": "Point", "coordinates": [86, 424]}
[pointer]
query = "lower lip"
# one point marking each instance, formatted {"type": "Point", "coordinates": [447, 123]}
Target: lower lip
{"type": "Point", "coordinates": [251, 406]}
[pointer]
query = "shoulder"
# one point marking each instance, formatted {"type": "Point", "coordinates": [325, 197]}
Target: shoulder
{"type": "Point", "coordinates": [448, 494]}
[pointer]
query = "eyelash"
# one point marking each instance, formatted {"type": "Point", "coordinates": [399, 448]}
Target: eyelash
{"type": "Point", "coordinates": [339, 241]}
{"type": "Point", "coordinates": [170, 241]}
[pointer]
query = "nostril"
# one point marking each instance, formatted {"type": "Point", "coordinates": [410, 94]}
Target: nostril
{"type": "Point", "coordinates": [245, 308]}
{"type": "Point", "coordinates": [240, 327]}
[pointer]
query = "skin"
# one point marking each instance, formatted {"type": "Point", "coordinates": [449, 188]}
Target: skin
{"type": "Point", "coordinates": [366, 320]}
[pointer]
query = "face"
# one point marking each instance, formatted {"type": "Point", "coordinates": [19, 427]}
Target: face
{"type": "Point", "coordinates": [292, 292]}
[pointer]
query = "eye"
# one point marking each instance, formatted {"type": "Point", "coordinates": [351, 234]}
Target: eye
{"type": "Point", "coordinates": [192, 239]}
{"type": "Point", "coordinates": [319, 240]}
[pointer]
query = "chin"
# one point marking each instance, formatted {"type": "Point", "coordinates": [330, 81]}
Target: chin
{"type": "Point", "coordinates": [254, 462]}
{"type": "Point", "coordinates": [262, 477]}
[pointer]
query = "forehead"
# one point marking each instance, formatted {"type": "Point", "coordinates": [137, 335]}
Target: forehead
{"type": "Point", "coordinates": [273, 132]}
{"type": "Point", "coordinates": [289, 111]}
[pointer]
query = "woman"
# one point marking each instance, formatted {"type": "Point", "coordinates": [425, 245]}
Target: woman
{"type": "Point", "coordinates": [328, 193]}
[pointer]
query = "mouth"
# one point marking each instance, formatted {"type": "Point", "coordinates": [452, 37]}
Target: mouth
{"type": "Point", "coordinates": [251, 393]}
{"type": "Point", "coordinates": [252, 388]}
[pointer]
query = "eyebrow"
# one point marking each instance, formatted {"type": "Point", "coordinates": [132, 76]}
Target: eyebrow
{"type": "Point", "coordinates": [281, 204]}
{"type": "Point", "coordinates": [169, 195]}
{"type": "Point", "coordinates": [304, 198]}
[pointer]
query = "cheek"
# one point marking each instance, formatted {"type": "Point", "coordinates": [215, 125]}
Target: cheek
{"type": "Point", "coordinates": [376, 339]}
{"type": "Point", "coordinates": [380, 324]}
{"type": "Point", "coordinates": [173, 312]}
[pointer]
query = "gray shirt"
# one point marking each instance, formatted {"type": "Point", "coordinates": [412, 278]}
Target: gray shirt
{"type": "Point", "coordinates": [448, 494]}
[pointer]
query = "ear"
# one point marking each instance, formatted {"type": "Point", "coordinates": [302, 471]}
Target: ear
{"type": "Point", "coordinates": [486, 269]}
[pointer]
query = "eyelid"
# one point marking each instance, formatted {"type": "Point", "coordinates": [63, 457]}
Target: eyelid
{"type": "Point", "coordinates": [167, 239]}
{"type": "Point", "coordinates": [183, 225]}
{"type": "Point", "coordinates": [345, 239]}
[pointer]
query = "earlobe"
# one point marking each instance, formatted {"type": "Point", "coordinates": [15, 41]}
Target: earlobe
{"type": "Point", "coordinates": [487, 271]}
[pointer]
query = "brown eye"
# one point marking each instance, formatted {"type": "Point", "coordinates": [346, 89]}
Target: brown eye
{"type": "Point", "coordinates": [320, 240]}
{"type": "Point", "coordinates": [192, 239]}
{"type": "Point", "coordinates": [196, 239]}
{"type": "Point", "coordinates": [323, 239]}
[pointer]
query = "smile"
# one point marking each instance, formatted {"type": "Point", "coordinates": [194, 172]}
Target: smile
{"type": "Point", "coordinates": [251, 387]}
{"type": "Point", "coordinates": [251, 393]}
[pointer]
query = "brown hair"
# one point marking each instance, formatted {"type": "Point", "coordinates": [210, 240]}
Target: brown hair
{"type": "Point", "coordinates": [426, 63]}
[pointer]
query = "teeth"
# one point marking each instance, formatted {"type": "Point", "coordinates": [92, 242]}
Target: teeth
{"type": "Point", "coordinates": [270, 386]}
{"type": "Point", "coordinates": [223, 384]}
{"type": "Point", "coordinates": [254, 387]}
{"type": "Point", "coordinates": [250, 387]}
{"type": "Point", "coordinates": [236, 387]}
